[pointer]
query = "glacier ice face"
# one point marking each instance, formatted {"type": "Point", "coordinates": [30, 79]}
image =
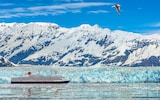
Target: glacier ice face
{"type": "Point", "coordinates": [87, 74]}
{"type": "Point", "coordinates": [49, 44]}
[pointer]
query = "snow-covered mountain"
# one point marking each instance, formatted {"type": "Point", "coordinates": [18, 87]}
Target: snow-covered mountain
{"type": "Point", "coordinates": [49, 44]}
{"type": "Point", "coordinates": [5, 63]}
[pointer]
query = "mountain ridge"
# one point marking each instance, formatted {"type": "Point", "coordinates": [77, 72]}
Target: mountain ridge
{"type": "Point", "coordinates": [40, 43]}
{"type": "Point", "coordinates": [5, 62]}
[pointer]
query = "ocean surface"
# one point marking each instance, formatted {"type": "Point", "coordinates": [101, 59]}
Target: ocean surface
{"type": "Point", "coordinates": [86, 83]}
{"type": "Point", "coordinates": [81, 91]}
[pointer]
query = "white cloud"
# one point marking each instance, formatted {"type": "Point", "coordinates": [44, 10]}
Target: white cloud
{"type": "Point", "coordinates": [69, 0]}
{"type": "Point", "coordinates": [70, 6]}
{"type": "Point", "coordinates": [155, 32]}
{"type": "Point", "coordinates": [74, 0]}
{"type": "Point", "coordinates": [51, 9]}
{"type": "Point", "coordinates": [156, 24]}
{"type": "Point", "coordinates": [150, 31]}
{"type": "Point", "coordinates": [6, 4]}
{"type": "Point", "coordinates": [85, 4]}
{"type": "Point", "coordinates": [98, 11]}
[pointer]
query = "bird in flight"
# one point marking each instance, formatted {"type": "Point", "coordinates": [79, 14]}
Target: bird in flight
{"type": "Point", "coordinates": [117, 6]}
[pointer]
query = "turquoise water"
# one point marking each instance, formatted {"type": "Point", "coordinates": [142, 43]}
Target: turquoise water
{"type": "Point", "coordinates": [81, 91]}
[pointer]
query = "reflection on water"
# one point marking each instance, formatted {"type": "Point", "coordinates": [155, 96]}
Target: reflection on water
{"type": "Point", "coordinates": [83, 91]}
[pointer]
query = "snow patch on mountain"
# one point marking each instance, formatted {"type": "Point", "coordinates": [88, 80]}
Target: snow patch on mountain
{"type": "Point", "coordinates": [5, 63]}
{"type": "Point", "coordinates": [40, 43]}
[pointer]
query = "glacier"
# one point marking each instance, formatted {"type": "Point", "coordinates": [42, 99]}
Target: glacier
{"type": "Point", "coordinates": [95, 74]}
{"type": "Point", "coordinates": [39, 43]}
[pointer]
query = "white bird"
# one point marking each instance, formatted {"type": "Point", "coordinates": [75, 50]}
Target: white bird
{"type": "Point", "coordinates": [117, 6]}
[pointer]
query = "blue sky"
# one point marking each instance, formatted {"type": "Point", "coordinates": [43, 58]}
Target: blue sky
{"type": "Point", "coordinates": [142, 16]}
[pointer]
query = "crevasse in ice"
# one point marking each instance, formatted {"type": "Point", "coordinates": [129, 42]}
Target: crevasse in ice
{"type": "Point", "coordinates": [87, 74]}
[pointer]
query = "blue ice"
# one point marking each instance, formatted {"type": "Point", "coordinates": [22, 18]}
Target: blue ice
{"type": "Point", "coordinates": [87, 74]}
